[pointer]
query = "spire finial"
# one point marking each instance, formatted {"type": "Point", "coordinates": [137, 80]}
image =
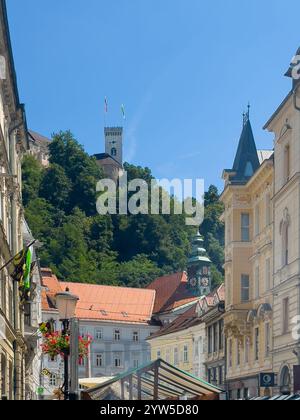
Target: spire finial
{"type": "Point", "coordinates": [249, 107]}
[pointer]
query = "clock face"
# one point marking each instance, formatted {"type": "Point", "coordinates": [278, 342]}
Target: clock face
{"type": "Point", "coordinates": [193, 282]}
{"type": "Point", "coordinates": [205, 282]}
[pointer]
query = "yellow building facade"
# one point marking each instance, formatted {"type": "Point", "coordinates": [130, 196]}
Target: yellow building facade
{"type": "Point", "coordinates": [248, 218]}
{"type": "Point", "coordinates": [175, 343]}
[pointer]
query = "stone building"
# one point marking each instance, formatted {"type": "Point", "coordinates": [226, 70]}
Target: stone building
{"type": "Point", "coordinates": [13, 144]}
{"type": "Point", "coordinates": [112, 160]}
{"type": "Point", "coordinates": [285, 124]}
{"type": "Point", "coordinates": [248, 218]}
{"type": "Point", "coordinates": [39, 147]}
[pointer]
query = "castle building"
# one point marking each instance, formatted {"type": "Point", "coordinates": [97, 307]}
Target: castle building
{"type": "Point", "coordinates": [39, 147]}
{"type": "Point", "coordinates": [248, 217]}
{"type": "Point", "coordinates": [112, 160]}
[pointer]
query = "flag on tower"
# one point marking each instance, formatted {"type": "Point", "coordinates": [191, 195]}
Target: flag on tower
{"type": "Point", "coordinates": [106, 105]}
{"type": "Point", "coordinates": [123, 111]}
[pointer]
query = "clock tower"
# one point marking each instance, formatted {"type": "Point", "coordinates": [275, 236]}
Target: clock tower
{"type": "Point", "coordinates": [199, 268]}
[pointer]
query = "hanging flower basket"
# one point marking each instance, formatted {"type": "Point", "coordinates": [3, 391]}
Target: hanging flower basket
{"type": "Point", "coordinates": [55, 344]}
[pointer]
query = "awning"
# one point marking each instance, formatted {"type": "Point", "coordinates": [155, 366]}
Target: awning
{"type": "Point", "coordinates": [156, 380]}
{"type": "Point", "coordinates": [92, 382]}
{"type": "Point", "coordinates": [278, 398]}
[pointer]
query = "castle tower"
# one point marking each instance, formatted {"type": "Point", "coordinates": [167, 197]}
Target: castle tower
{"type": "Point", "coordinates": [199, 271]}
{"type": "Point", "coordinates": [114, 143]}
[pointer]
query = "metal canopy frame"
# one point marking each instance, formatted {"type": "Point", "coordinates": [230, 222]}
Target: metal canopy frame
{"type": "Point", "coordinates": [157, 380]}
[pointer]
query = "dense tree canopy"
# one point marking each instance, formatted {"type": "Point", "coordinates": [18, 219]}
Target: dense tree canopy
{"type": "Point", "coordinates": [82, 246]}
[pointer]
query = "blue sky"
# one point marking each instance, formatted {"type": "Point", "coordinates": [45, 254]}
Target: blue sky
{"type": "Point", "coordinates": [185, 70]}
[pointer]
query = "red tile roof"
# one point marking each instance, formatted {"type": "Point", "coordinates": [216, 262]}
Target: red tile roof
{"type": "Point", "coordinates": [187, 319]}
{"type": "Point", "coordinates": [101, 302]}
{"type": "Point", "coordinates": [171, 292]}
{"type": "Point", "coordinates": [110, 303]}
{"type": "Point", "coordinates": [51, 288]}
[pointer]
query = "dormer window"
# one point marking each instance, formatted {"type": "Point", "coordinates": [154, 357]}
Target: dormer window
{"type": "Point", "coordinates": [248, 170]}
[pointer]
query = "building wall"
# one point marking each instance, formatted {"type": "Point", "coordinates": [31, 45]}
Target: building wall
{"type": "Point", "coordinates": [129, 351]}
{"type": "Point", "coordinates": [176, 349]}
{"type": "Point", "coordinates": [12, 147]}
{"type": "Point", "coordinates": [245, 317]}
{"type": "Point", "coordinates": [286, 128]}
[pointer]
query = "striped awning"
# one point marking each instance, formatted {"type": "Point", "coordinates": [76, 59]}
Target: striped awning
{"type": "Point", "coordinates": [156, 380]}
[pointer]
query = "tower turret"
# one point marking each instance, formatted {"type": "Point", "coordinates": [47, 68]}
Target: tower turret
{"type": "Point", "coordinates": [199, 268]}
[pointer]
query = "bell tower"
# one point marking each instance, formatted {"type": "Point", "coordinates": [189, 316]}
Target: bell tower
{"type": "Point", "coordinates": [114, 143]}
{"type": "Point", "coordinates": [199, 268]}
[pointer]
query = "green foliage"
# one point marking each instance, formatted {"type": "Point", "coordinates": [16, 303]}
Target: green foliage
{"type": "Point", "coordinates": [82, 246]}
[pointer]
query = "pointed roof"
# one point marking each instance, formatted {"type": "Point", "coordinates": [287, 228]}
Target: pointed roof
{"type": "Point", "coordinates": [246, 160]}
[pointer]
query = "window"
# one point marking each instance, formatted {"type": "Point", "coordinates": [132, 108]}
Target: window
{"type": "Point", "coordinates": [168, 355]}
{"type": "Point", "coordinates": [267, 339]}
{"type": "Point", "coordinates": [209, 376]}
{"type": "Point", "coordinates": [238, 352]}
{"type": "Point", "coordinates": [176, 358]}
{"type": "Point", "coordinates": [268, 274]}
{"type": "Point", "coordinates": [210, 339]}
{"type": "Point", "coordinates": [53, 380]}
{"type": "Point", "coordinates": [245, 288]}
{"type": "Point", "coordinates": [287, 163]}
{"type": "Point", "coordinates": [256, 291]}
{"type": "Point", "coordinates": [221, 334]}
{"type": "Point", "coordinates": [114, 152]}
{"type": "Point", "coordinates": [99, 335]}
{"type": "Point", "coordinates": [82, 362]}
{"type": "Point", "coordinates": [186, 354]}
{"type": "Point", "coordinates": [257, 220]}
{"type": "Point", "coordinates": [99, 360]}
{"type": "Point", "coordinates": [135, 336]}
{"type": "Point", "coordinates": [245, 227]}
{"type": "Point", "coordinates": [228, 290]}
{"type": "Point", "coordinates": [268, 209]}
{"type": "Point", "coordinates": [136, 363]}
{"type": "Point", "coordinates": [117, 335]}
{"type": "Point", "coordinates": [286, 315]}
{"type": "Point", "coordinates": [285, 244]}
{"type": "Point", "coordinates": [220, 375]}
{"type": "Point", "coordinates": [216, 342]}
{"type": "Point", "coordinates": [230, 353]}
{"type": "Point", "coordinates": [158, 354]}
{"type": "Point", "coordinates": [247, 350]}
{"type": "Point", "coordinates": [117, 361]}
{"type": "Point", "coordinates": [248, 170]}
{"type": "Point", "coordinates": [256, 344]}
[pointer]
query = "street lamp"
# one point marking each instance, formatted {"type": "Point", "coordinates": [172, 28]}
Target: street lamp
{"type": "Point", "coordinates": [66, 306]}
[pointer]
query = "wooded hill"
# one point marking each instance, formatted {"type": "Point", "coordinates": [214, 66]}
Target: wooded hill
{"type": "Point", "coordinates": [80, 245]}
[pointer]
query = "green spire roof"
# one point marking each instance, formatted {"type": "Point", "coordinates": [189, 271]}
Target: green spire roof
{"type": "Point", "coordinates": [246, 161]}
{"type": "Point", "coordinates": [198, 251]}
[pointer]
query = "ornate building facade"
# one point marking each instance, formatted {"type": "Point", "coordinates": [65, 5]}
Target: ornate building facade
{"type": "Point", "coordinates": [285, 124]}
{"type": "Point", "coordinates": [248, 218]}
{"type": "Point", "coordinates": [13, 143]}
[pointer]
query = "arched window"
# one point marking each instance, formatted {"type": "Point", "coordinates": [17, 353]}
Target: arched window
{"type": "Point", "coordinates": [285, 380]}
{"type": "Point", "coordinates": [284, 230]}
{"type": "Point", "coordinates": [114, 152]}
